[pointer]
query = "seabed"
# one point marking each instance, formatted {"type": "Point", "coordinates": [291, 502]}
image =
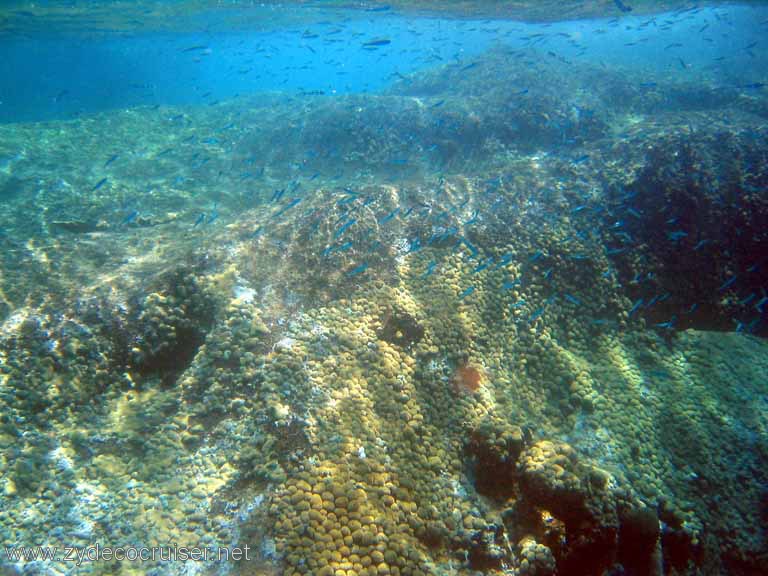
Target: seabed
{"type": "Point", "coordinates": [394, 333]}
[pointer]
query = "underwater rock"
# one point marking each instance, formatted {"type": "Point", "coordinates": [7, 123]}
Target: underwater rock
{"type": "Point", "coordinates": [171, 326]}
{"type": "Point", "coordinates": [707, 251]}
{"type": "Point", "coordinates": [494, 450]}
{"type": "Point", "coordinates": [552, 478]}
{"type": "Point", "coordinates": [535, 559]}
{"type": "Point", "coordinates": [486, 550]}
{"type": "Point", "coordinates": [12, 187]}
{"type": "Point", "coordinates": [400, 328]}
{"type": "Point", "coordinates": [680, 548]}
{"type": "Point", "coordinates": [639, 534]}
{"type": "Point", "coordinates": [79, 226]}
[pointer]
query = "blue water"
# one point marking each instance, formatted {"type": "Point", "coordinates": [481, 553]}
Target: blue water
{"type": "Point", "coordinates": [385, 252]}
{"type": "Point", "coordinates": [52, 75]}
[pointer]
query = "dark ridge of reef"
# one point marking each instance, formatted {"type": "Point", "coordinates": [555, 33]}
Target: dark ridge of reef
{"type": "Point", "coordinates": [565, 517]}
{"type": "Point", "coordinates": [171, 325]}
{"type": "Point", "coordinates": [704, 228]}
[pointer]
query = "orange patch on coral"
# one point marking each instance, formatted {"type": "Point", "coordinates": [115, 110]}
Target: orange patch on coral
{"type": "Point", "coordinates": [467, 379]}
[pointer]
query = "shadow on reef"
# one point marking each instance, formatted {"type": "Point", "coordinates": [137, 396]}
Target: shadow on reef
{"type": "Point", "coordinates": [170, 327]}
{"type": "Point", "coordinates": [694, 232]}
{"type": "Point", "coordinates": [563, 516]}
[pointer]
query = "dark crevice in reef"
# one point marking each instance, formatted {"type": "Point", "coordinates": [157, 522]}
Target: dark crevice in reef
{"type": "Point", "coordinates": [560, 515]}
{"type": "Point", "coordinates": [400, 328]}
{"type": "Point", "coordinates": [494, 455]}
{"type": "Point", "coordinates": [692, 230]}
{"type": "Point", "coordinates": [169, 326]}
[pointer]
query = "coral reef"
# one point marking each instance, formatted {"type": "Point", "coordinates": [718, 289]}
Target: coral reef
{"type": "Point", "coordinates": [434, 370]}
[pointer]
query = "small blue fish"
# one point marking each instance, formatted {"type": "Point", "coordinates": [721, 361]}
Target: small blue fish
{"type": "Point", "coordinates": [727, 284]}
{"type": "Point", "coordinates": [111, 159]}
{"type": "Point", "coordinates": [200, 220]}
{"type": "Point", "coordinates": [536, 315]}
{"type": "Point", "coordinates": [508, 284]}
{"type": "Point", "coordinates": [700, 244]}
{"type": "Point", "coordinates": [466, 292]}
{"type": "Point", "coordinates": [761, 303]}
{"type": "Point", "coordinates": [344, 227]}
{"type": "Point", "coordinates": [667, 325]}
{"type": "Point", "coordinates": [99, 184]}
{"type": "Point", "coordinates": [503, 261]}
{"type": "Point", "coordinates": [747, 300]}
{"type": "Point", "coordinates": [376, 42]}
{"type": "Point", "coordinates": [287, 207]}
{"type": "Point", "coordinates": [483, 265]}
{"type": "Point", "coordinates": [358, 270]}
{"type": "Point", "coordinates": [651, 302]}
{"type": "Point", "coordinates": [677, 235]}
{"type": "Point", "coordinates": [131, 217]}
{"type": "Point", "coordinates": [414, 245]}
{"type": "Point", "coordinates": [342, 248]}
{"type": "Point", "coordinates": [518, 304]}
{"type": "Point", "coordinates": [469, 245]}
{"type": "Point", "coordinates": [635, 306]}
{"type": "Point", "coordinates": [572, 299]}
{"type": "Point", "coordinates": [472, 219]}
{"type": "Point", "coordinates": [389, 216]}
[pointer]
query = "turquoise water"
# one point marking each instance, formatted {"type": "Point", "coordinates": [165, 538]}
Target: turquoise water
{"type": "Point", "coordinates": [373, 289]}
{"type": "Point", "coordinates": [59, 74]}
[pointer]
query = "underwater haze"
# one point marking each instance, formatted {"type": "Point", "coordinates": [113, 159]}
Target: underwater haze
{"type": "Point", "coordinates": [384, 288]}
